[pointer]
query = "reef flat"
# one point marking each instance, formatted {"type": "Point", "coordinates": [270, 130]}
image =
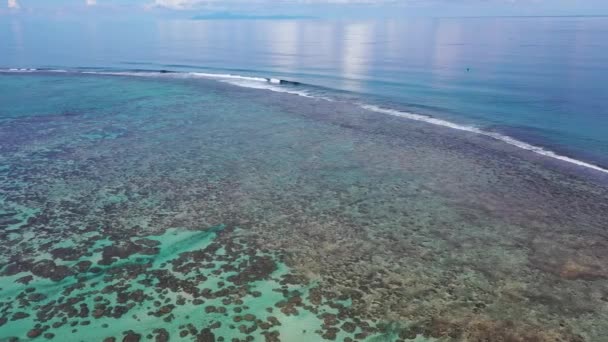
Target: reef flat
{"type": "Point", "coordinates": [139, 209]}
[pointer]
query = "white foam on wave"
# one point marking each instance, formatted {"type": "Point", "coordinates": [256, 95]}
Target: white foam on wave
{"type": "Point", "coordinates": [18, 70]}
{"type": "Point", "coordinates": [32, 70]}
{"type": "Point", "coordinates": [267, 85]}
{"type": "Point", "coordinates": [272, 84]}
{"type": "Point", "coordinates": [226, 76]}
{"type": "Point", "coordinates": [472, 129]}
{"type": "Point", "coordinates": [123, 73]}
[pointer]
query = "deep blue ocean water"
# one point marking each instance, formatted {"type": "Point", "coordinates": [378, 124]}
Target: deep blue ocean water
{"type": "Point", "coordinates": [540, 80]}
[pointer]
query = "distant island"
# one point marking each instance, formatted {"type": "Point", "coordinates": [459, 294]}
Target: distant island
{"type": "Point", "coordinates": [238, 16]}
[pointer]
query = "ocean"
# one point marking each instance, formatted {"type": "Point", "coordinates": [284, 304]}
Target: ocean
{"type": "Point", "coordinates": [538, 80]}
{"type": "Point", "coordinates": [304, 180]}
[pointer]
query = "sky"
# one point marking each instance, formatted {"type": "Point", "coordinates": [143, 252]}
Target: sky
{"type": "Point", "coordinates": [309, 8]}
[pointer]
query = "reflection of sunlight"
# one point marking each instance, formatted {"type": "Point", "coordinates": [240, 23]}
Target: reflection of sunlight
{"type": "Point", "coordinates": [446, 56]}
{"type": "Point", "coordinates": [356, 54]}
{"type": "Point", "coordinates": [284, 43]}
{"type": "Point", "coordinates": [17, 35]}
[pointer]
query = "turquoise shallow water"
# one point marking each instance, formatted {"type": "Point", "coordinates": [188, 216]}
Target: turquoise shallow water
{"type": "Point", "coordinates": [162, 208]}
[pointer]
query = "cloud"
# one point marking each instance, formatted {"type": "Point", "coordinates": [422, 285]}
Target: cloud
{"type": "Point", "coordinates": [177, 4]}
{"type": "Point", "coordinates": [91, 2]}
{"type": "Point", "coordinates": [13, 4]}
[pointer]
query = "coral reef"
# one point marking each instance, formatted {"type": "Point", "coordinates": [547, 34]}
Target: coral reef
{"type": "Point", "coordinates": [161, 209]}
